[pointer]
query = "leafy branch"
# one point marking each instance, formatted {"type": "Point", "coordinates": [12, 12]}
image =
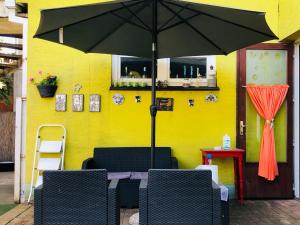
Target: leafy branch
{"type": "Point", "coordinates": [5, 89]}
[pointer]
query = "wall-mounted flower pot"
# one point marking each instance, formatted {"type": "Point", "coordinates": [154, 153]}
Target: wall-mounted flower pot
{"type": "Point", "coordinates": [47, 91]}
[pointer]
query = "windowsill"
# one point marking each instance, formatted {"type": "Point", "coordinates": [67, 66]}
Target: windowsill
{"type": "Point", "coordinates": [170, 88]}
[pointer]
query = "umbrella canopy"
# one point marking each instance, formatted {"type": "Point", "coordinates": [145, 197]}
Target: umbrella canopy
{"type": "Point", "coordinates": [154, 28]}
{"type": "Point", "coordinates": [126, 27]}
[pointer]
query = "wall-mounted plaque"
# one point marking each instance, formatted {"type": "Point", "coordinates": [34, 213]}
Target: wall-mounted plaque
{"type": "Point", "coordinates": [60, 103]}
{"type": "Point", "coordinates": [191, 102]}
{"type": "Point", "coordinates": [118, 99]}
{"type": "Point", "coordinates": [165, 104]}
{"type": "Point", "coordinates": [77, 103]}
{"type": "Point", "coordinates": [138, 99]}
{"type": "Point", "coordinates": [95, 103]}
{"type": "Point", "coordinates": [211, 98]}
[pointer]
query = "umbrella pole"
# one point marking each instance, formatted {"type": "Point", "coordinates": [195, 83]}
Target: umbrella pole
{"type": "Point", "coordinates": [153, 108]}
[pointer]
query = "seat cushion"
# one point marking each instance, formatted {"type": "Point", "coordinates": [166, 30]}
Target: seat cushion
{"type": "Point", "coordinates": [139, 175]}
{"type": "Point", "coordinates": [118, 175]}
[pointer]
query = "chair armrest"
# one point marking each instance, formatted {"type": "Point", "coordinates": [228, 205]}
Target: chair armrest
{"type": "Point", "coordinates": [87, 164]}
{"type": "Point", "coordinates": [113, 203]}
{"type": "Point", "coordinates": [143, 202]}
{"type": "Point", "coordinates": [217, 209]}
{"type": "Point", "coordinates": [38, 205]}
{"type": "Point", "coordinates": [174, 163]}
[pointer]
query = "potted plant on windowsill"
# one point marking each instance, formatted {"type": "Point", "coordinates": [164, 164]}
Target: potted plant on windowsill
{"type": "Point", "coordinates": [47, 86]}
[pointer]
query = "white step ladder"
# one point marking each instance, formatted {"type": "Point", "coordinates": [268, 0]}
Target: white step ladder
{"type": "Point", "coordinates": [48, 155]}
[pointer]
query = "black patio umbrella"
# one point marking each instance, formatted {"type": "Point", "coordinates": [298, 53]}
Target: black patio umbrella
{"type": "Point", "coordinates": [154, 29]}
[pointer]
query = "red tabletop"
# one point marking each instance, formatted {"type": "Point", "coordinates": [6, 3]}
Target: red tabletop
{"type": "Point", "coordinates": [231, 150]}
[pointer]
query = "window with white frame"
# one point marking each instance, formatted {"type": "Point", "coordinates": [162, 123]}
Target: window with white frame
{"type": "Point", "coordinates": [127, 69]}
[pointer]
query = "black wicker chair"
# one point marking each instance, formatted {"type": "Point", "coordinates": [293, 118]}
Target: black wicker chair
{"type": "Point", "coordinates": [179, 197]}
{"type": "Point", "coordinates": [76, 198]}
{"type": "Point", "coordinates": [130, 159]}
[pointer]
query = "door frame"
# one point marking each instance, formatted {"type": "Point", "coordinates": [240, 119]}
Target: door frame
{"type": "Point", "coordinates": [241, 108]}
{"type": "Point", "coordinates": [296, 118]}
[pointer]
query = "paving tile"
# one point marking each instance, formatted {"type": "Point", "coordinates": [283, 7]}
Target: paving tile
{"type": "Point", "coordinates": [6, 187]}
{"type": "Point", "coordinates": [273, 212]}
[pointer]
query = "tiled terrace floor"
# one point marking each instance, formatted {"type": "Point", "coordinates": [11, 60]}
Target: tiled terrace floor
{"type": "Point", "coordinates": [6, 187]}
{"type": "Point", "coordinates": [275, 212]}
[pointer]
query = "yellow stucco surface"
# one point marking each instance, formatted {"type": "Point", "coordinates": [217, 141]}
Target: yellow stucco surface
{"type": "Point", "coordinates": [289, 17]}
{"type": "Point", "coordinates": [185, 130]}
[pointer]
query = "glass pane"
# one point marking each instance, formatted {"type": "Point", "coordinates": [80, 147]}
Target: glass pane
{"type": "Point", "coordinates": [187, 67]}
{"type": "Point", "coordinates": [265, 67]}
{"type": "Point", "coordinates": [132, 67]}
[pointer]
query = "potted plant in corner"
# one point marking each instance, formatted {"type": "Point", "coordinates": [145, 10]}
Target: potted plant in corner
{"type": "Point", "coordinates": [47, 86]}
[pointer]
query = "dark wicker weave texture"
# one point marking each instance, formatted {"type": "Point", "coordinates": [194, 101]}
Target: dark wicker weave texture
{"type": "Point", "coordinates": [76, 198]}
{"type": "Point", "coordinates": [179, 197]}
{"type": "Point", "coordinates": [129, 159]}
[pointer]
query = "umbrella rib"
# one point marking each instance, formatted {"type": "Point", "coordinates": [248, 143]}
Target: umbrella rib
{"type": "Point", "coordinates": [92, 17]}
{"type": "Point", "coordinates": [224, 20]}
{"type": "Point", "coordinates": [195, 29]}
{"type": "Point", "coordinates": [138, 18]}
{"type": "Point", "coordinates": [171, 18]}
{"type": "Point", "coordinates": [130, 22]}
{"type": "Point", "coordinates": [106, 36]}
{"type": "Point", "coordinates": [178, 23]}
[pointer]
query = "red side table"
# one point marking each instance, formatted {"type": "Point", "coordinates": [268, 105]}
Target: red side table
{"type": "Point", "coordinates": [238, 155]}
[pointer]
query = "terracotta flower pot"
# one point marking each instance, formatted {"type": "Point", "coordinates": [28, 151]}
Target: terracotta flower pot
{"type": "Point", "coordinates": [47, 91]}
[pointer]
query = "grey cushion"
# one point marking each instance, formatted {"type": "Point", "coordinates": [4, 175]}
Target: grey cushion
{"type": "Point", "coordinates": [118, 175]}
{"type": "Point", "coordinates": [139, 175]}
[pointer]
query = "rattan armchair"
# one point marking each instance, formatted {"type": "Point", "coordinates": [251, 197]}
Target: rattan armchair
{"type": "Point", "coordinates": [76, 198]}
{"type": "Point", "coordinates": [179, 197]}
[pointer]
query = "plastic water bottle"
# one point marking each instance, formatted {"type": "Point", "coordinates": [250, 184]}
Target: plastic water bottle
{"type": "Point", "coordinates": [209, 159]}
{"type": "Point", "coordinates": [226, 141]}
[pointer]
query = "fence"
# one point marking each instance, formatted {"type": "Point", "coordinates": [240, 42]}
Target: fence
{"type": "Point", "coordinates": [7, 136]}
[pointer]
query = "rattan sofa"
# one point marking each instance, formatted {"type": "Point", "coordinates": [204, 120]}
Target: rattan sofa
{"type": "Point", "coordinates": [77, 198]}
{"type": "Point", "coordinates": [179, 197]}
{"type": "Point", "coordinates": [129, 159]}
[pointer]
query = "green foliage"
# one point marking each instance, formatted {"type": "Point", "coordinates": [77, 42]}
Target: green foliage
{"type": "Point", "coordinates": [48, 81]}
{"type": "Point", "coordinates": [5, 89]}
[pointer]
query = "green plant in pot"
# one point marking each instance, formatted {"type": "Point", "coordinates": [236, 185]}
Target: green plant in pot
{"type": "Point", "coordinates": [47, 86]}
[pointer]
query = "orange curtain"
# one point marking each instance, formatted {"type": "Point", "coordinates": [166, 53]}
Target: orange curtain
{"type": "Point", "coordinates": [267, 101]}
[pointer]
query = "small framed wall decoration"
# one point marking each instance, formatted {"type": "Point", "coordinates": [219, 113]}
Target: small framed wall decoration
{"type": "Point", "coordinates": [211, 98]}
{"type": "Point", "coordinates": [95, 103]}
{"type": "Point", "coordinates": [138, 99]}
{"type": "Point", "coordinates": [61, 103]}
{"type": "Point", "coordinates": [191, 102]}
{"type": "Point", "coordinates": [77, 103]}
{"type": "Point", "coordinates": [165, 104]}
{"type": "Point", "coordinates": [118, 99]}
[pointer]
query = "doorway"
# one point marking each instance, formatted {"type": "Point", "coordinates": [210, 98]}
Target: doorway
{"type": "Point", "coordinates": [265, 64]}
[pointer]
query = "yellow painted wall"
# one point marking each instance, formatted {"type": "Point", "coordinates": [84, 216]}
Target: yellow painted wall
{"type": "Point", "coordinates": [185, 129]}
{"type": "Point", "coordinates": [289, 17]}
